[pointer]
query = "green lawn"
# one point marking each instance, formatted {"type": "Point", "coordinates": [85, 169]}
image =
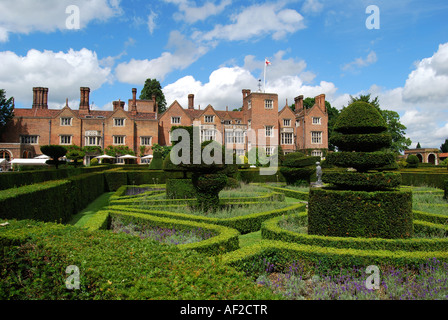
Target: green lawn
{"type": "Point", "coordinates": [82, 217]}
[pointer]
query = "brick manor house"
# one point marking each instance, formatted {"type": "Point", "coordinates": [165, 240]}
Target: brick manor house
{"type": "Point", "coordinates": [140, 125]}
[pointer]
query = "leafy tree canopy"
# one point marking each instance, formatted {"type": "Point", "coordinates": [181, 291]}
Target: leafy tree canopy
{"type": "Point", "coordinates": [153, 87]}
{"type": "Point", "coordinates": [6, 108]}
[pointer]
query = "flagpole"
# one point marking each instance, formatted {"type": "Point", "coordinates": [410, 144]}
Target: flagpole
{"type": "Point", "coordinates": [264, 89]}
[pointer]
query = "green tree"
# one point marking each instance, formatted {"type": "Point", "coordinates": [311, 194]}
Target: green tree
{"type": "Point", "coordinates": [164, 150]}
{"type": "Point", "coordinates": [395, 127]}
{"type": "Point", "coordinates": [76, 155]}
{"type": "Point", "coordinates": [444, 146]}
{"type": "Point", "coordinates": [153, 87]}
{"type": "Point", "coordinates": [418, 145]}
{"type": "Point", "coordinates": [54, 152]}
{"type": "Point", "coordinates": [6, 108]}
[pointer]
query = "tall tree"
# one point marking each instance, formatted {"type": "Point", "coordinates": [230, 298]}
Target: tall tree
{"type": "Point", "coordinates": [153, 87]}
{"type": "Point", "coordinates": [444, 146]}
{"type": "Point", "coordinates": [395, 127]}
{"type": "Point", "coordinates": [418, 145]}
{"type": "Point", "coordinates": [6, 108]}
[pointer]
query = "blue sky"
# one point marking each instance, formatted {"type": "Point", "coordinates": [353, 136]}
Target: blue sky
{"type": "Point", "coordinates": [216, 48]}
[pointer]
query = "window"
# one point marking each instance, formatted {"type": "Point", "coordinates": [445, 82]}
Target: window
{"type": "Point", "coordinates": [297, 123]}
{"type": "Point", "coordinates": [5, 155]}
{"type": "Point", "coordinates": [145, 141]}
{"type": "Point", "coordinates": [316, 137]}
{"type": "Point", "coordinates": [29, 139]}
{"type": "Point", "coordinates": [316, 153]}
{"type": "Point", "coordinates": [286, 122]}
{"type": "Point", "coordinates": [235, 137]}
{"type": "Point", "coordinates": [287, 138]}
{"type": "Point", "coordinates": [249, 104]}
{"type": "Point", "coordinates": [175, 120]}
{"type": "Point", "coordinates": [227, 122]}
{"type": "Point", "coordinates": [269, 131]}
{"type": "Point", "coordinates": [66, 121]}
{"type": "Point", "coordinates": [118, 140]}
{"type": "Point", "coordinates": [209, 119]}
{"type": "Point", "coordinates": [268, 104]}
{"type": "Point", "coordinates": [118, 122]}
{"type": "Point", "coordinates": [208, 135]}
{"type": "Point", "coordinates": [239, 152]}
{"type": "Point", "coordinates": [93, 141]}
{"type": "Point", "coordinates": [65, 140]}
{"type": "Point", "coordinates": [269, 151]}
{"type": "Point", "coordinates": [249, 124]}
{"type": "Point", "coordinates": [316, 120]}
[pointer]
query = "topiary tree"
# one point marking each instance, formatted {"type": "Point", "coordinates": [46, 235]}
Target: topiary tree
{"type": "Point", "coordinates": [297, 167]}
{"type": "Point", "coordinates": [156, 162]}
{"type": "Point", "coordinates": [364, 202]}
{"type": "Point", "coordinates": [76, 155]}
{"type": "Point", "coordinates": [54, 152]}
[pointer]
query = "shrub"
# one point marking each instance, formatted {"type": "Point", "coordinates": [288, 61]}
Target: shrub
{"type": "Point", "coordinates": [180, 189]}
{"type": "Point", "coordinates": [412, 161]}
{"type": "Point", "coordinates": [297, 166]}
{"type": "Point", "coordinates": [156, 162]}
{"type": "Point", "coordinates": [445, 189]}
{"type": "Point", "coordinates": [360, 118]}
{"type": "Point", "coordinates": [54, 152]}
{"type": "Point", "coordinates": [383, 214]}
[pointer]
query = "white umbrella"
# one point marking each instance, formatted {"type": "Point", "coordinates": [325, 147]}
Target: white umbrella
{"type": "Point", "coordinates": [105, 156]}
{"type": "Point", "coordinates": [34, 162]}
{"type": "Point", "coordinates": [127, 156]}
{"type": "Point", "coordinates": [148, 157]}
{"type": "Point", "coordinates": [43, 156]}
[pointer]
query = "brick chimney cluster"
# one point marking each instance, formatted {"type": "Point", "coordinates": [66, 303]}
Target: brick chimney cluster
{"type": "Point", "coordinates": [191, 101]}
{"type": "Point", "coordinates": [84, 103]}
{"type": "Point", "coordinates": [118, 104]}
{"type": "Point", "coordinates": [298, 102]}
{"type": "Point", "coordinates": [133, 106]}
{"type": "Point", "coordinates": [246, 92]}
{"type": "Point", "coordinates": [40, 98]}
{"type": "Point", "coordinates": [320, 101]}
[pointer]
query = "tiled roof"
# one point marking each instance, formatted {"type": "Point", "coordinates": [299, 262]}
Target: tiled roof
{"type": "Point", "coordinates": [37, 113]}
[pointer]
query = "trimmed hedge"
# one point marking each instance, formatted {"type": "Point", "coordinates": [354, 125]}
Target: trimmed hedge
{"type": "Point", "coordinates": [431, 178]}
{"type": "Point", "coordinates": [244, 224]}
{"type": "Point", "coordinates": [224, 239]}
{"type": "Point", "coordinates": [271, 230]}
{"type": "Point", "coordinates": [382, 214]}
{"type": "Point", "coordinates": [180, 189]}
{"type": "Point", "coordinates": [49, 201]}
{"type": "Point", "coordinates": [445, 190]}
{"type": "Point", "coordinates": [363, 181]}
{"type": "Point", "coordinates": [361, 161]}
{"type": "Point", "coordinates": [358, 118]}
{"type": "Point", "coordinates": [252, 259]}
{"type": "Point", "coordinates": [300, 195]}
{"type": "Point", "coordinates": [361, 142]}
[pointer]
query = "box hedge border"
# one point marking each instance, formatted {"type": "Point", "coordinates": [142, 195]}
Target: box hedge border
{"type": "Point", "coordinates": [282, 254]}
{"type": "Point", "coordinates": [244, 224]}
{"type": "Point", "coordinates": [225, 239]}
{"type": "Point", "coordinates": [270, 230]}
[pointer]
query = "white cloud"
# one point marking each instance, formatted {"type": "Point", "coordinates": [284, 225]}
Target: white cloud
{"type": "Point", "coordinates": [152, 21]}
{"type": "Point", "coordinates": [26, 16]}
{"type": "Point", "coordinates": [185, 52]}
{"type": "Point", "coordinates": [62, 72]}
{"type": "Point", "coordinates": [257, 21]}
{"type": "Point", "coordinates": [429, 81]}
{"type": "Point", "coordinates": [312, 6]}
{"type": "Point", "coordinates": [191, 13]}
{"type": "Point", "coordinates": [361, 62]}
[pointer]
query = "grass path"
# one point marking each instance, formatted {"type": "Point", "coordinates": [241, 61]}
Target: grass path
{"type": "Point", "coordinates": [82, 217]}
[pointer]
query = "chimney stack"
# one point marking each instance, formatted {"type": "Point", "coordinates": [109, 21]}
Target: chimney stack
{"type": "Point", "coordinates": [84, 103]}
{"type": "Point", "coordinates": [191, 101]}
{"type": "Point", "coordinates": [298, 104]}
{"type": "Point", "coordinates": [40, 98]}
{"type": "Point", "coordinates": [118, 104]}
{"type": "Point", "coordinates": [134, 100]}
{"type": "Point", "coordinates": [320, 101]}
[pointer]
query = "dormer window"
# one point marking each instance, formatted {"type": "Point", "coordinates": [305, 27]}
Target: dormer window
{"type": "Point", "coordinates": [209, 119]}
{"type": "Point", "coordinates": [119, 122]}
{"type": "Point", "coordinates": [286, 122]}
{"type": "Point", "coordinates": [66, 121]}
{"type": "Point", "coordinates": [175, 120]}
{"type": "Point", "coordinates": [317, 120]}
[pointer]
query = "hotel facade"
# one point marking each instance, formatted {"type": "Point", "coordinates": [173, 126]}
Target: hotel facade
{"type": "Point", "coordinates": [259, 123]}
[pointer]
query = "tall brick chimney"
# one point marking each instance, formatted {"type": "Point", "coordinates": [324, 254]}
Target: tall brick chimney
{"type": "Point", "coordinates": [84, 103]}
{"type": "Point", "coordinates": [191, 101]}
{"type": "Point", "coordinates": [133, 107]}
{"type": "Point", "coordinates": [40, 98]}
{"type": "Point", "coordinates": [298, 104]}
{"type": "Point", "coordinates": [246, 92]}
{"type": "Point", "coordinates": [320, 101]}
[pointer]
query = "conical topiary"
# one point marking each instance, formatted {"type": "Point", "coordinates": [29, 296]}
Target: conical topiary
{"type": "Point", "coordinates": [364, 202]}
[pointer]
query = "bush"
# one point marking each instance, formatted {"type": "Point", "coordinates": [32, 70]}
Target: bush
{"type": "Point", "coordinates": [361, 142]}
{"type": "Point", "coordinates": [383, 214]}
{"type": "Point", "coordinates": [361, 161]}
{"type": "Point", "coordinates": [180, 189]}
{"type": "Point", "coordinates": [360, 118]}
{"type": "Point", "coordinates": [363, 181]}
{"type": "Point", "coordinates": [412, 161]}
{"type": "Point", "coordinates": [445, 193]}
{"type": "Point", "coordinates": [156, 162]}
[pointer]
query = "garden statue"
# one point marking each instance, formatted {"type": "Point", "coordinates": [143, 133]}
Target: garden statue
{"type": "Point", "coordinates": [318, 174]}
